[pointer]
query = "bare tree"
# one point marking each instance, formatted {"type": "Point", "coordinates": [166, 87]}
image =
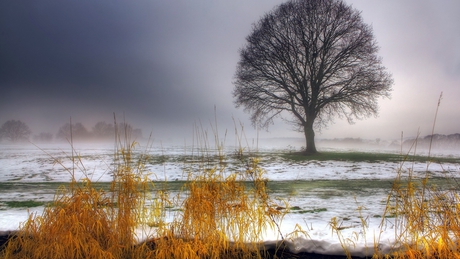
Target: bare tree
{"type": "Point", "coordinates": [78, 132]}
{"type": "Point", "coordinates": [103, 130]}
{"type": "Point", "coordinates": [309, 61]}
{"type": "Point", "coordinates": [125, 130]}
{"type": "Point", "coordinates": [15, 130]}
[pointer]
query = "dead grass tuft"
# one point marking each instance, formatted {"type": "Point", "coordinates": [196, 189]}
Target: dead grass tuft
{"type": "Point", "coordinates": [222, 215]}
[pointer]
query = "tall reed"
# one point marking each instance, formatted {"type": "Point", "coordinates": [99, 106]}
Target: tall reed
{"type": "Point", "coordinates": [85, 222]}
{"type": "Point", "coordinates": [223, 214]}
{"type": "Point", "coordinates": [426, 217]}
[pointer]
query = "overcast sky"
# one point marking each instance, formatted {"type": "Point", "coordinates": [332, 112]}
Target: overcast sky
{"type": "Point", "coordinates": [165, 64]}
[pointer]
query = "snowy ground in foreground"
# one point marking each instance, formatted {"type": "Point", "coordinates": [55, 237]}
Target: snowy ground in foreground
{"type": "Point", "coordinates": [322, 190]}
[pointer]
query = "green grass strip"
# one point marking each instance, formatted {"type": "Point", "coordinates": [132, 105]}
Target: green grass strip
{"type": "Point", "coordinates": [365, 157]}
{"type": "Point", "coordinates": [24, 204]}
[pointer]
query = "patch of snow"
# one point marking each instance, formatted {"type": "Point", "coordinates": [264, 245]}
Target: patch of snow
{"type": "Point", "coordinates": [357, 209]}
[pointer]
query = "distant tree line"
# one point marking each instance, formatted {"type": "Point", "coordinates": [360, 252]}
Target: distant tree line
{"type": "Point", "coordinates": [16, 131]}
{"type": "Point", "coordinates": [435, 141]}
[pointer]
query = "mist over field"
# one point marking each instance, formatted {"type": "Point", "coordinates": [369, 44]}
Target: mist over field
{"type": "Point", "coordinates": [165, 67]}
{"type": "Point", "coordinates": [90, 83]}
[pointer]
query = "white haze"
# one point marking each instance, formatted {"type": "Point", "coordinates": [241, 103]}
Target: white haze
{"type": "Point", "coordinates": [164, 66]}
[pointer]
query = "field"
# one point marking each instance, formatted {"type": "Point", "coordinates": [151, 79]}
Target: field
{"type": "Point", "coordinates": [336, 203]}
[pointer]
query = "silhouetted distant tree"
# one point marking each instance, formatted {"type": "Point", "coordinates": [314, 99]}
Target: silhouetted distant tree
{"type": "Point", "coordinates": [125, 130]}
{"type": "Point", "coordinates": [78, 131]}
{"type": "Point", "coordinates": [309, 61]}
{"type": "Point", "coordinates": [15, 130]}
{"type": "Point", "coordinates": [103, 130]}
{"type": "Point", "coordinates": [64, 132]}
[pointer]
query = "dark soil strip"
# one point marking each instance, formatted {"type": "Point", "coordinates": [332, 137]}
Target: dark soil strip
{"type": "Point", "coordinates": [4, 237]}
{"type": "Point", "coordinates": [270, 251]}
{"type": "Point", "coordinates": [281, 251]}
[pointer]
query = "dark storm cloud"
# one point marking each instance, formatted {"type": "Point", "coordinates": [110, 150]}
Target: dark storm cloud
{"type": "Point", "coordinates": [83, 50]}
{"type": "Point", "coordinates": [159, 61]}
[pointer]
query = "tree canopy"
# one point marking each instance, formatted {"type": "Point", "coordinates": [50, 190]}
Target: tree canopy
{"type": "Point", "coordinates": [15, 130]}
{"type": "Point", "coordinates": [310, 61]}
{"type": "Point", "coordinates": [72, 131]}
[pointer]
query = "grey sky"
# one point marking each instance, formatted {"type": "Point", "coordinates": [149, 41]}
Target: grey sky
{"type": "Point", "coordinates": [166, 64]}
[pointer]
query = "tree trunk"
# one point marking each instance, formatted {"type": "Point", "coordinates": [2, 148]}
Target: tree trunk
{"type": "Point", "coordinates": [310, 139]}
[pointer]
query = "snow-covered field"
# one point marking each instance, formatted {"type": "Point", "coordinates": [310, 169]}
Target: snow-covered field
{"type": "Point", "coordinates": [353, 193]}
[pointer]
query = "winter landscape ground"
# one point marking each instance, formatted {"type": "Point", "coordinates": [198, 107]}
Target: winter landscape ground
{"type": "Point", "coordinates": [335, 202]}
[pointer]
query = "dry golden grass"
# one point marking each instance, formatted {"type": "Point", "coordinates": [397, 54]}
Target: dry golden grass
{"type": "Point", "coordinates": [85, 222]}
{"type": "Point", "coordinates": [426, 216]}
{"type": "Point", "coordinates": [222, 215]}
{"type": "Point", "coordinates": [426, 219]}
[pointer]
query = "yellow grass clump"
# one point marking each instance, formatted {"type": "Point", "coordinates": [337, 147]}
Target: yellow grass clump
{"type": "Point", "coordinates": [84, 222]}
{"type": "Point", "coordinates": [222, 215]}
{"type": "Point", "coordinates": [427, 222]}
{"type": "Point", "coordinates": [425, 219]}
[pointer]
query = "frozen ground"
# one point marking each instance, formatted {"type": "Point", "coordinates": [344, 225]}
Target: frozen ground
{"type": "Point", "coordinates": [354, 193]}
